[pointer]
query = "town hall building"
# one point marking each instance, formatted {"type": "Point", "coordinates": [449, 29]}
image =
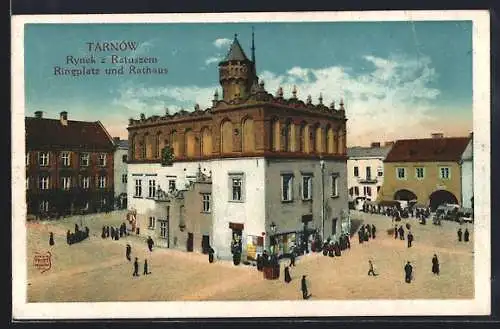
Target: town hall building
{"type": "Point", "coordinates": [251, 171]}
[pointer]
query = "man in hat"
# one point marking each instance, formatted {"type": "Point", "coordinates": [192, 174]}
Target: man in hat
{"type": "Point", "coordinates": [51, 239]}
{"type": "Point", "coordinates": [371, 271]}
{"type": "Point", "coordinates": [410, 238]}
{"type": "Point", "coordinates": [146, 272]}
{"type": "Point", "coordinates": [288, 278]}
{"type": "Point", "coordinates": [303, 287]}
{"type": "Point", "coordinates": [408, 272]}
{"type": "Point", "coordinates": [150, 243]}
{"type": "Point", "coordinates": [374, 230]}
{"type": "Point", "coordinates": [401, 232]}
{"type": "Point", "coordinates": [396, 231]}
{"type": "Point", "coordinates": [136, 267]}
{"type": "Point", "coordinates": [459, 234]}
{"type": "Point", "coordinates": [466, 235]}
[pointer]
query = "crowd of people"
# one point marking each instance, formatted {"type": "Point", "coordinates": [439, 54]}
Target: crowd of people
{"type": "Point", "coordinates": [77, 236]}
{"type": "Point", "coordinates": [113, 232]}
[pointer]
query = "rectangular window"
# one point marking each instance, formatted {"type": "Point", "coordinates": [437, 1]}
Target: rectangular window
{"type": "Point", "coordinates": [401, 173]}
{"type": "Point", "coordinates": [286, 187]}
{"type": "Point", "coordinates": [66, 159]}
{"type": "Point", "coordinates": [356, 171]}
{"type": "Point", "coordinates": [163, 229]}
{"type": "Point", "coordinates": [44, 183]}
{"type": "Point", "coordinates": [334, 185]}
{"type": "Point", "coordinates": [124, 178]}
{"type": "Point", "coordinates": [205, 198]}
{"type": "Point", "coordinates": [171, 185]}
{"type": "Point", "coordinates": [66, 183]}
{"type": "Point", "coordinates": [368, 173]}
{"type": "Point", "coordinates": [102, 160]}
{"type": "Point", "coordinates": [419, 173]}
{"type": "Point", "coordinates": [124, 158]}
{"type": "Point", "coordinates": [152, 188]}
{"type": "Point", "coordinates": [306, 187]}
{"type": "Point", "coordinates": [334, 225]}
{"type": "Point", "coordinates": [138, 188]}
{"type": "Point", "coordinates": [86, 182]}
{"type": "Point", "coordinates": [236, 188]}
{"type": "Point", "coordinates": [44, 206]}
{"type": "Point", "coordinates": [356, 190]}
{"type": "Point", "coordinates": [152, 223]}
{"type": "Point", "coordinates": [368, 191]}
{"type": "Point", "coordinates": [43, 158]}
{"type": "Point", "coordinates": [444, 173]}
{"type": "Point", "coordinates": [380, 172]}
{"type": "Point", "coordinates": [102, 182]}
{"type": "Point", "coordinates": [84, 159]}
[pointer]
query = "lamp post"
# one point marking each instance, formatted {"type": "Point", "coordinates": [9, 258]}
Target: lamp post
{"type": "Point", "coordinates": [322, 165]}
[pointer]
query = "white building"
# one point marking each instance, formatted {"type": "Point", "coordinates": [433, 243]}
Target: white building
{"type": "Point", "coordinates": [467, 175]}
{"type": "Point", "coordinates": [120, 172]}
{"type": "Point", "coordinates": [365, 171]}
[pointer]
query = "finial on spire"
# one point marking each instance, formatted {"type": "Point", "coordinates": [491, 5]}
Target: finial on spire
{"type": "Point", "coordinates": [309, 99]}
{"type": "Point", "coordinates": [320, 98]}
{"type": "Point", "coordinates": [342, 104]}
{"type": "Point", "coordinates": [279, 93]}
{"type": "Point", "coordinates": [332, 105]}
{"type": "Point", "coordinates": [236, 36]}
{"type": "Point", "coordinates": [294, 91]}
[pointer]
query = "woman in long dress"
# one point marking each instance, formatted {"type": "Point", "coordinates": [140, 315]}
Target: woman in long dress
{"type": "Point", "coordinates": [435, 265]}
{"type": "Point", "coordinates": [288, 278]}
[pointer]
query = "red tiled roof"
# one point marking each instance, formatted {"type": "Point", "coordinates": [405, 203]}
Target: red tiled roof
{"type": "Point", "coordinates": [44, 133]}
{"type": "Point", "coordinates": [428, 149]}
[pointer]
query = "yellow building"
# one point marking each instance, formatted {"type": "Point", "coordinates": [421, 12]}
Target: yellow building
{"type": "Point", "coordinates": [427, 171]}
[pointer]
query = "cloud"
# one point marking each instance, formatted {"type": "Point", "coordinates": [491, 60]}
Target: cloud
{"type": "Point", "coordinates": [390, 98]}
{"type": "Point", "coordinates": [213, 59]}
{"type": "Point", "coordinates": [222, 42]}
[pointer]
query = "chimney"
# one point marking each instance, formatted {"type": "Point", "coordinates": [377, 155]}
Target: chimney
{"type": "Point", "coordinates": [437, 135]}
{"type": "Point", "coordinates": [38, 114]}
{"type": "Point", "coordinates": [390, 143]}
{"type": "Point", "coordinates": [64, 118]}
{"type": "Point", "coordinates": [375, 144]}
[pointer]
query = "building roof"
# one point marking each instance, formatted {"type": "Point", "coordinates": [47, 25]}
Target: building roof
{"type": "Point", "coordinates": [122, 143]}
{"type": "Point", "coordinates": [428, 149]}
{"type": "Point", "coordinates": [368, 152]}
{"type": "Point", "coordinates": [44, 133]}
{"type": "Point", "coordinates": [236, 53]}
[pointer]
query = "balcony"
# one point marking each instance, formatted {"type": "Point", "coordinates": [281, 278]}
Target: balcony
{"type": "Point", "coordinates": [368, 180]}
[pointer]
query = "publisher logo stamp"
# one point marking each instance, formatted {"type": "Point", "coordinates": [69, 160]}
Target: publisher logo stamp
{"type": "Point", "coordinates": [42, 261]}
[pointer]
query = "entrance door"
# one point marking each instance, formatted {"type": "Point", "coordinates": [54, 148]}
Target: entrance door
{"type": "Point", "coordinates": [205, 244]}
{"type": "Point", "coordinates": [190, 241]}
{"type": "Point", "coordinates": [236, 242]}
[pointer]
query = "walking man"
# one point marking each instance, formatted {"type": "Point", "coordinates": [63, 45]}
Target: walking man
{"type": "Point", "coordinates": [408, 272]}
{"type": "Point", "coordinates": [128, 251]}
{"type": "Point", "coordinates": [150, 243]}
{"type": "Point", "coordinates": [211, 252]}
{"type": "Point", "coordinates": [374, 229]}
{"type": "Point", "coordinates": [410, 239]}
{"type": "Point", "coordinates": [371, 270]}
{"type": "Point", "coordinates": [396, 231]}
{"type": "Point", "coordinates": [459, 234]}
{"type": "Point", "coordinates": [136, 267]}
{"type": "Point", "coordinates": [303, 287]}
{"type": "Point", "coordinates": [466, 235]}
{"type": "Point", "coordinates": [292, 258]}
{"type": "Point", "coordinates": [51, 239]}
{"type": "Point", "coordinates": [146, 267]}
{"type": "Point", "coordinates": [401, 233]}
{"type": "Point", "coordinates": [435, 265]}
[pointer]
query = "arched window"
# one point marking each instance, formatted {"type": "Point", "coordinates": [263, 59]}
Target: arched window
{"type": "Point", "coordinates": [189, 143]}
{"type": "Point", "coordinates": [226, 136]}
{"type": "Point", "coordinates": [206, 142]}
{"type": "Point", "coordinates": [144, 146]}
{"type": "Point", "coordinates": [318, 140]}
{"type": "Point", "coordinates": [158, 145]}
{"type": "Point", "coordinates": [248, 139]}
{"type": "Point", "coordinates": [303, 137]}
{"type": "Point", "coordinates": [174, 143]}
{"type": "Point", "coordinates": [329, 140]}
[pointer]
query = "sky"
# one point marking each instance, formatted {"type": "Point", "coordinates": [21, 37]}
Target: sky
{"type": "Point", "coordinates": [397, 79]}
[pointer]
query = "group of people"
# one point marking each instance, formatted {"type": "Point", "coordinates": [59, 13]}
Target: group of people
{"type": "Point", "coordinates": [114, 233]}
{"type": "Point", "coordinates": [401, 233]}
{"type": "Point", "coordinates": [466, 235]}
{"type": "Point", "coordinates": [367, 232]}
{"type": "Point", "coordinates": [332, 249]}
{"type": "Point", "coordinates": [77, 236]}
